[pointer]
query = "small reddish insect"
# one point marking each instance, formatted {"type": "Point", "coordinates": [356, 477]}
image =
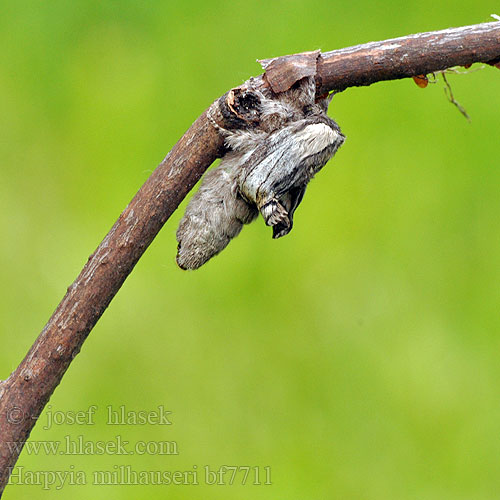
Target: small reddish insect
{"type": "Point", "coordinates": [421, 80]}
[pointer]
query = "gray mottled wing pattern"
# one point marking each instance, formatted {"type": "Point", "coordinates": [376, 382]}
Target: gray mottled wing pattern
{"type": "Point", "coordinates": [267, 169]}
{"type": "Point", "coordinates": [275, 176]}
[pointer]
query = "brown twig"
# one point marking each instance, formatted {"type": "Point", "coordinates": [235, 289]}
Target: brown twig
{"type": "Point", "coordinates": [25, 393]}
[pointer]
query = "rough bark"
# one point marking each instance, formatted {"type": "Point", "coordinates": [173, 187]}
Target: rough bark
{"type": "Point", "coordinates": [25, 393]}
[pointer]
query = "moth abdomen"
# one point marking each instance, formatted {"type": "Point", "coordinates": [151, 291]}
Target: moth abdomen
{"type": "Point", "coordinates": [214, 216]}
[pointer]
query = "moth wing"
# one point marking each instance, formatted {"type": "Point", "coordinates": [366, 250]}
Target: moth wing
{"type": "Point", "coordinates": [288, 159]}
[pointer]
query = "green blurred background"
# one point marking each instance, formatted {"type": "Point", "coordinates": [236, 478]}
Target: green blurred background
{"type": "Point", "coordinates": [358, 357]}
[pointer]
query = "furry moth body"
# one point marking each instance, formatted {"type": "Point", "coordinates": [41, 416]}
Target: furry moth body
{"type": "Point", "coordinates": [266, 170]}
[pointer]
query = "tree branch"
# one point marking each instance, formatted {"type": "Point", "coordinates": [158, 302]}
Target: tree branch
{"type": "Point", "coordinates": [25, 393]}
{"type": "Point", "coordinates": [409, 56]}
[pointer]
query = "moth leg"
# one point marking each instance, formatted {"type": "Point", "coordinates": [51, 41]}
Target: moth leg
{"type": "Point", "coordinates": [277, 208]}
{"type": "Point", "coordinates": [274, 213]}
{"type": "Point", "coordinates": [279, 211]}
{"type": "Point", "coordinates": [290, 201]}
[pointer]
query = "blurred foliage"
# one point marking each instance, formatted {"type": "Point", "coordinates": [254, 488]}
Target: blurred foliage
{"type": "Point", "coordinates": [359, 356]}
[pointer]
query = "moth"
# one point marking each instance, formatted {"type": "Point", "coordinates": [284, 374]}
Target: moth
{"type": "Point", "coordinates": [266, 170]}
